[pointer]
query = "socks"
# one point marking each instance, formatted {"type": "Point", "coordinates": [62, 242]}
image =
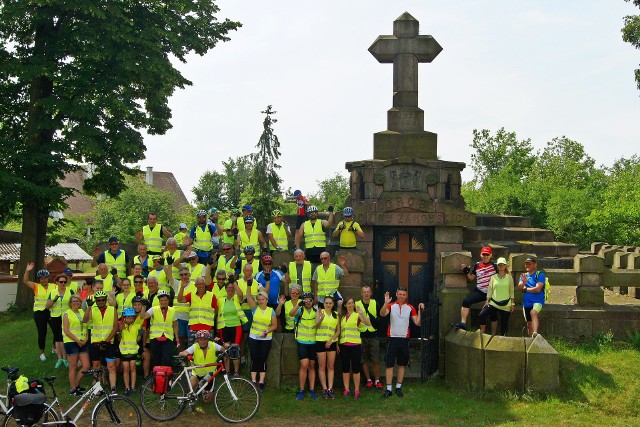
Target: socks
{"type": "Point", "coordinates": [398, 385]}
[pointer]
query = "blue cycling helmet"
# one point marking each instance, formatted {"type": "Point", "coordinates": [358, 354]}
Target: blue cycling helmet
{"type": "Point", "coordinates": [42, 274]}
{"type": "Point", "coordinates": [348, 211]}
{"type": "Point", "coordinates": [128, 311]}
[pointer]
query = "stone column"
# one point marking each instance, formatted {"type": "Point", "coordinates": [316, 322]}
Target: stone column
{"type": "Point", "coordinates": [590, 269]}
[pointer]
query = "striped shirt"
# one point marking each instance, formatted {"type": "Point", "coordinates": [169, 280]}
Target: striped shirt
{"type": "Point", "coordinates": [483, 272]}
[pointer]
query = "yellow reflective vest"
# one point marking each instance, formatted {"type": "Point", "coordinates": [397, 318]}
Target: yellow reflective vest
{"type": "Point", "coordinates": [76, 326]}
{"type": "Point", "coordinates": [61, 305]}
{"type": "Point", "coordinates": [161, 325]}
{"type": "Point", "coordinates": [261, 321]}
{"type": "Point", "coordinates": [123, 301]}
{"type": "Point", "coordinates": [199, 358]}
{"type": "Point", "coordinates": [201, 311]}
{"type": "Point", "coordinates": [327, 328]}
{"type": "Point", "coordinates": [119, 262]}
{"type": "Point", "coordinates": [279, 233]}
{"type": "Point", "coordinates": [373, 310]}
{"type": "Point", "coordinates": [314, 236]}
{"type": "Point", "coordinates": [41, 295]}
{"type": "Point", "coordinates": [153, 237]}
{"type": "Point", "coordinates": [246, 240]}
{"type": "Point", "coordinates": [327, 283]}
{"type": "Point", "coordinates": [349, 329]}
{"type": "Point", "coordinates": [129, 339]}
{"type": "Point", "coordinates": [306, 330]}
{"type": "Point", "coordinates": [202, 241]}
{"type": "Point", "coordinates": [101, 324]}
{"type": "Point", "coordinates": [239, 312]}
{"type": "Point", "coordinates": [306, 275]}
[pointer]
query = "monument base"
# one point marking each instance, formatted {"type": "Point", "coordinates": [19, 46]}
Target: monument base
{"type": "Point", "coordinates": [389, 145]}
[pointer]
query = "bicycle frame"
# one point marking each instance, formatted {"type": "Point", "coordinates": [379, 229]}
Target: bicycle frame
{"type": "Point", "coordinates": [4, 399]}
{"type": "Point", "coordinates": [220, 369]}
{"type": "Point", "coordinates": [89, 395]}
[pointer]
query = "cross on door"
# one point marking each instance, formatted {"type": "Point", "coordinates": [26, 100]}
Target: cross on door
{"type": "Point", "coordinates": [407, 252]}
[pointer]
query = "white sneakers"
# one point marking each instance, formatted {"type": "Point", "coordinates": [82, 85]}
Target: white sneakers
{"type": "Point", "coordinates": [43, 357]}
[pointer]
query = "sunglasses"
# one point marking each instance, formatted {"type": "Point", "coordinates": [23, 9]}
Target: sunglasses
{"type": "Point", "coordinates": [324, 257]}
{"type": "Point", "coordinates": [308, 301]}
{"type": "Point", "coordinates": [101, 300]}
{"type": "Point", "coordinates": [221, 279]}
{"type": "Point", "coordinates": [62, 281]}
{"type": "Point", "coordinates": [113, 244]}
{"type": "Point", "coordinates": [138, 281]}
{"type": "Point", "coordinates": [184, 274]}
{"type": "Point", "coordinates": [267, 263]}
{"type": "Point", "coordinates": [226, 249]}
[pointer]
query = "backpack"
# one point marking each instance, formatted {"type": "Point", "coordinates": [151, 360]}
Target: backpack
{"type": "Point", "coordinates": [547, 286]}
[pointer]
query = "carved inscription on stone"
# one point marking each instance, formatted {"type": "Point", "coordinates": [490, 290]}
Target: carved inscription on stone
{"type": "Point", "coordinates": [409, 218]}
{"type": "Point", "coordinates": [405, 178]}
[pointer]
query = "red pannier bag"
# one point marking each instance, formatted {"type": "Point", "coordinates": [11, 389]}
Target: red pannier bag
{"type": "Point", "coordinates": [161, 377]}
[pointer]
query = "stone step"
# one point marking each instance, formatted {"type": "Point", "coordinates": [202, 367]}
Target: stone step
{"type": "Point", "coordinates": [541, 249]}
{"type": "Point", "coordinates": [504, 234]}
{"type": "Point", "coordinates": [485, 220]}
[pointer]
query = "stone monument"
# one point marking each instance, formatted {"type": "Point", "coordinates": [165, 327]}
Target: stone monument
{"type": "Point", "coordinates": [407, 201]}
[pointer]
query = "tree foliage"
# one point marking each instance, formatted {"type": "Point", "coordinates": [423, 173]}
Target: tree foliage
{"type": "Point", "coordinates": [559, 187]}
{"type": "Point", "coordinates": [331, 191]}
{"type": "Point", "coordinates": [631, 34]}
{"type": "Point", "coordinates": [224, 190]}
{"type": "Point", "coordinates": [264, 192]}
{"type": "Point", "coordinates": [78, 82]}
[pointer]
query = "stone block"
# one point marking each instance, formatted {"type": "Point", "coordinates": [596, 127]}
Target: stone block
{"type": "Point", "coordinates": [450, 262]}
{"type": "Point", "coordinates": [356, 259]}
{"type": "Point", "coordinates": [542, 365]}
{"type": "Point", "coordinates": [274, 361]}
{"type": "Point", "coordinates": [620, 260]}
{"type": "Point", "coordinates": [455, 368]}
{"type": "Point", "coordinates": [596, 246]}
{"type": "Point", "coordinates": [590, 279]}
{"type": "Point", "coordinates": [609, 255]}
{"type": "Point", "coordinates": [455, 280]}
{"type": "Point", "coordinates": [448, 235]}
{"type": "Point", "coordinates": [516, 261]}
{"type": "Point", "coordinates": [504, 363]}
{"type": "Point", "coordinates": [388, 145]}
{"type": "Point", "coordinates": [279, 258]}
{"type": "Point", "coordinates": [633, 261]}
{"type": "Point", "coordinates": [450, 303]}
{"type": "Point", "coordinates": [289, 359]}
{"type": "Point", "coordinates": [626, 278]}
{"type": "Point", "coordinates": [473, 344]}
{"type": "Point", "coordinates": [589, 296]}
{"type": "Point", "coordinates": [560, 277]}
{"type": "Point", "coordinates": [588, 264]}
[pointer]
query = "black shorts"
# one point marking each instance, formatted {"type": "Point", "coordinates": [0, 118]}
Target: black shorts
{"type": "Point", "coordinates": [475, 296]}
{"type": "Point", "coordinates": [397, 349]}
{"type": "Point", "coordinates": [128, 357]}
{"type": "Point", "coordinates": [320, 347]}
{"type": "Point", "coordinates": [104, 352]}
{"type": "Point", "coordinates": [231, 334]}
{"type": "Point", "coordinates": [307, 351]}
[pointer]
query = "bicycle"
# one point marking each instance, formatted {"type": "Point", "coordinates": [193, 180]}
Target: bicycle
{"type": "Point", "coordinates": [111, 409]}
{"type": "Point", "coordinates": [235, 400]}
{"type": "Point", "coordinates": [6, 408]}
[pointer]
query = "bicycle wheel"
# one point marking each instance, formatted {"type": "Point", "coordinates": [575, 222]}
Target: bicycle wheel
{"type": "Point", "coordinates": [163, 407]}
{"type": "Point", "coordinates": [117, 410]}
{"type": "Point", "coordinates": [48, 416]}
{"type": "Point", "coordinates": [241, 408]}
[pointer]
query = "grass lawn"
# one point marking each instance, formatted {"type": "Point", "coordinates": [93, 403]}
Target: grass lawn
{"type": "Point", "coordinates": [599, 386]}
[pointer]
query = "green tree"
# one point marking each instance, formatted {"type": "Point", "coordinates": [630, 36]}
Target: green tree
{"type": "Point", "coordinates": [78, 83]}
{"type": "Point", "coordinates": [331, 191]}
{"type": "Point", "coordinates": [224, 190]}
{"type": "Point", "coordinates": [617, 219]}
{"type": "Point", "coordinates": [264, 193]}
{"type": "Point", "coordinates": [631, 34]}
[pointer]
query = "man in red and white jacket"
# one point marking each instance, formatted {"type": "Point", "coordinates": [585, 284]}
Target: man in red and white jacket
{"type": "Point", "coordinates": [398, 332]}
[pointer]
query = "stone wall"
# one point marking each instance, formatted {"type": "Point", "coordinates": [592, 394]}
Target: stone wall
{"type": "Point", "coordinates": [475, 361]}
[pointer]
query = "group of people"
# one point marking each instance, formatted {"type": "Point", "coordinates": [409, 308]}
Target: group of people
{"type": "Point", "coordinates": [495, 287]}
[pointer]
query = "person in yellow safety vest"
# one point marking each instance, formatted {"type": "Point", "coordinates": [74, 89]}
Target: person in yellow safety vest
{"type": "Point", "coordinates": [299, 271]}
{"type": "Point", "coordinates": [109, 279]}
{"type": "Point", "coordinates": [123, 299]}
{"type": "Point", "coordinates": [152, 233]}
{"type": "Point", "coordinates": [251, 236]}
{"type": "Point", "coordinates": [203, 306]}
{"type": "Point", "coordinates": [41, 314]}
{"type": "Point", "coordinates": [352, 320]}
{"type": "Point", "coordinates": [104, 325]}
{"type": "Point", "coordinates": [370, 340]}
{"type": "Point", "coordinates": [348, 229]}
{"type": "Point", "coordinates": [327, 333]}
{"type": "Point", "coordinates": [246, 281]}
{"type": "Point", "coordinates": [247, 210]}
{"type": "Point", "coordinates": [171, 254]}
{"type": "Point", "coordinates": [163, 330]}
{"type": "Point", "coordinates": [113, 257]}
{"type": "Point", "coordinates": [249, 258]}
{"type": "Point", "coordinates": [200, 237]}
{"type": "Point", "coordinates": [278, 233]}
{"type": "Point", "coordinates": [139, 305]}
{"type": "Point", "coordinates": [75, 343]}
{"type": "Point", "coordinates": [159, 273]}
{"type": "Point", "coordinates": [74, 286]}
{"type": "Point", "coordinates": [313, 232]}
{"type": "Point", "coordinates": [131, 334]}
{"type": "Point", "coordinates": [326, 278]}
{"type": "Point", "coordinates": [189, 259]}
{"type": "Point", "coordinates": [230, 320]}
{"type": "Point", "coordinates": [284, 308]}
{"type": "Point", "coordinates": [180, 236]}
{"type": "Point", "coordinates": [305, 330]}
{"type": "Point", "coordinates": [260, 336]}
{"type": "Point", "coordinates": [204, 353]}
{"type": "Point", "coordinates": [187, 286]}
{"type": "Point", "coordinates": [57, 304]}
{"type": "Point", "coordinates": [219, 286]}
{"type": "Point", "coordinates": [227, 262]}
{"type": "Point", "coordinates": [143, 259]}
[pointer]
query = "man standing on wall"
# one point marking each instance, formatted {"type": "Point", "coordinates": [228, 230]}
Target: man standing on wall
{"type": "Point", "coordinates": [482, 272]}
{"type": "Point", "coordinates": [532, 284]}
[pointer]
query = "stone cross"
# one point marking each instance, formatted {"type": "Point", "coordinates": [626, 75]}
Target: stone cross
{"type": "Point", "coordinates": [405, 49]}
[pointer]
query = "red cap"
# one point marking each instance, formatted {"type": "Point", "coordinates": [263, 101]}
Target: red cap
{"type": "Point", "coordinates": [486, 250]}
